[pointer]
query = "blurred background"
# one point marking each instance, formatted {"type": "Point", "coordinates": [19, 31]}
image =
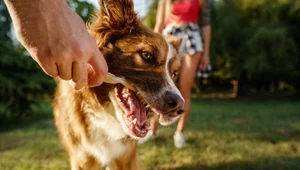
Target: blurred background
{"type": "Point", "coordinates": [246, 115]}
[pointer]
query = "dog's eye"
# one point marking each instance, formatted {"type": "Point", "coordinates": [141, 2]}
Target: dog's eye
{"type": "Point", "coordinates": [175, 74]}
{"type": "Point", "coordinates": [146, 55]}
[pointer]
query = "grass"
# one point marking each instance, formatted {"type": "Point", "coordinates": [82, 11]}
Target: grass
{"type": "Point", "coordinates": [222, 135]}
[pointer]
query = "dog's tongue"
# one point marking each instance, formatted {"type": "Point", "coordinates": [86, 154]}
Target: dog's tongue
{"type": "Point", "coordinates": [140, 111]}
{"type": "Point", "coordinates": [137, 109]}
{"type": "Point", "coordinates": [135, 112]}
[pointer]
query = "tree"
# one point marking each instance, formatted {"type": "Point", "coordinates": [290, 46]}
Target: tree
{"type": "Point", "coordinates": [251, 42]}
{"type": "Point", "coordinates": [150, 19]}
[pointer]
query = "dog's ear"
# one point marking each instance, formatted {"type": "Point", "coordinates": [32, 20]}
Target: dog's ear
{"type": "Point", "coordinates": [119, 14]}
{"type": "Point", "coordinates": [116, 18]}
{"type": "Point", "coordinates": [175, 41]}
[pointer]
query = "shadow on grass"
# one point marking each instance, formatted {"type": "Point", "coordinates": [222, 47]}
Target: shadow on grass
{"type": "Point", "coordinates": [272, 120]}
{"type": "Point", "coordinates": [264, 164]}
{"type": "Point", "coordinates": [18, 135]}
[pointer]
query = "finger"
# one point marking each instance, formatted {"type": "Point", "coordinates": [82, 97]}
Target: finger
{"type": "Point", "coordinates": [64, 70]}
{"type": "Point", "coordinates": [99, 66]}
{"type": "Point", "coordinates": [201, 63]}
{"type": "Point", "coordinates": [90, 71]}
{"type": "Point", "coordinates": [49, 68]}
{"type": "Point", "coordinates": [203, 66]}
{"type": "Point", "coordinates": [206, 64]}
{"type": "Point", "coordinates": [79, 74]}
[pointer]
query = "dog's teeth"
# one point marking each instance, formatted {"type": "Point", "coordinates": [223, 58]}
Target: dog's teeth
{"type": "Point", "coordinates": [147, 106]}
{"type": "Point", "coordinates": [148, 126]}
{"type": "Point", "coordinates": [134, 120]}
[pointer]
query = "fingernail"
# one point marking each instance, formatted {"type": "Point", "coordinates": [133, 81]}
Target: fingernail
{"type": "Point", "coordinates": [91, 71]}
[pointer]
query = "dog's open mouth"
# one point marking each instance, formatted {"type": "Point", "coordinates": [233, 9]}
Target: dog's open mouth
{"type": "Point", "coordinates": [134, 110]}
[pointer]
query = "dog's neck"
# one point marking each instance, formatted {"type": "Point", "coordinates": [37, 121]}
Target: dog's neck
{"type": "Point", "coordinates": [105, 129]}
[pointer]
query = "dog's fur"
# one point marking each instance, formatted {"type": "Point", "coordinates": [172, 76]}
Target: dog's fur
{"type": "Point", "coordinates": [93, 122]}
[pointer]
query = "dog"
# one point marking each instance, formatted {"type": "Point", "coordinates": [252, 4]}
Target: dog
{"type": "Point", "coordinates": [99, 127]}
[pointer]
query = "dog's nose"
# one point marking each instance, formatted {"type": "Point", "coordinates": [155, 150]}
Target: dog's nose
{"type": "Point", "coordinates": [174, 102]}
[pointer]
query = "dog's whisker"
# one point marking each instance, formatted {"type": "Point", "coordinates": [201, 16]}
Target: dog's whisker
{"type": "Point", "coordinates": [191, 123]}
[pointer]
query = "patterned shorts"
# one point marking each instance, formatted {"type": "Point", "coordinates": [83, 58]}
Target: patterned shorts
{"type": "Point", "coordinates": [190, 44]}
{"type": "Point", "coordinates": [191, 38]}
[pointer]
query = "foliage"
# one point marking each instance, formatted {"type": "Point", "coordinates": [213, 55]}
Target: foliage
{"type": "Point", "coordinates": [22, 84]}
{"type": "Point", "coordinates": [22, 81]}
{"type": "Point", "coordinates": [254, 41]}
{"type": "Point", "coordinates": [5, 22]}
{"type": "Point", "coordinates": [150, 18]}
{"type": "Point", "coordinates": [84, 9]}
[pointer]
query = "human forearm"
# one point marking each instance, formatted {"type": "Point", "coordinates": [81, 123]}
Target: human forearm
{"type": "Point", "coordinates": [29, 17]}
{"type": "Point", "coordinates": [206, 33]}
{"type": "Point", "coordinates": [57, 39]}
{"type": "Point", "coordinates": [206, 30]}
{"type": "Point", "coordinates": [158, 27]}
{"type": "Point", "coordinates": [160, 16]}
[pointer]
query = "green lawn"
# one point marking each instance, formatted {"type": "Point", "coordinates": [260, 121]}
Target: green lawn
{"type": "Point", "coordinates": [222, 134]}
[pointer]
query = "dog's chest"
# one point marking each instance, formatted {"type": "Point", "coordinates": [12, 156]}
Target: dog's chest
{"type": "Point", "coordinates": [106, 139]}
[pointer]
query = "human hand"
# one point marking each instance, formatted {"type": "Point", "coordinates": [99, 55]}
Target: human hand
{"type": "Point", "coordinates": [204, 61]}
{"type": "Point", "coordinates": [57, 39]}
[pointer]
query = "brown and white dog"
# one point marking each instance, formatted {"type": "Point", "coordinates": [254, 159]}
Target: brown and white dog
{"type": "Point", "coordinates": [99, 127]}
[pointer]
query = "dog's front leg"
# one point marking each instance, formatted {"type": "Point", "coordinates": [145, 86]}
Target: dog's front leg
{"type": "Point", "coordinates": [132, 164]}
{"type": "Point", "coordinates": [86, 162]}
{"type": "Point", "coordinates": [109, 168]}
{"type": "Point", "coordinates": [129, 160]}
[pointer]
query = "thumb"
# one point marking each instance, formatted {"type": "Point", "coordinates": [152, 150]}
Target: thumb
{"type": "Point", "coordinates": [97, 69]}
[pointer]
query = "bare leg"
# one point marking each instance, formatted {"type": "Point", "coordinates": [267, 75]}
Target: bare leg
{"type": "Point", "coordinates": [189, 66]}
{"type": "Point", "coordinates": [154, 125]}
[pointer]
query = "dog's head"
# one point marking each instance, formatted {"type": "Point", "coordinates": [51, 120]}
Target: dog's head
{"type": "Point", "coordinates": [145, 60]}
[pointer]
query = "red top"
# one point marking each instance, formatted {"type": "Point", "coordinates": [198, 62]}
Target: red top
{"type": "Point", "coordinates": [184, 11]}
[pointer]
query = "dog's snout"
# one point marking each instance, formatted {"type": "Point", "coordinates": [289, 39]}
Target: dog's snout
{"type": "Point", "coordinates": [174, 102]}
{"type": "Point", "coordinates": [172, 99]}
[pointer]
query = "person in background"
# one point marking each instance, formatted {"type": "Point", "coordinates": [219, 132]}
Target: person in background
{"type": "Point", "coordinates": [180, 19]}
{"type": "Point", "coordinates": [57, 39]}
